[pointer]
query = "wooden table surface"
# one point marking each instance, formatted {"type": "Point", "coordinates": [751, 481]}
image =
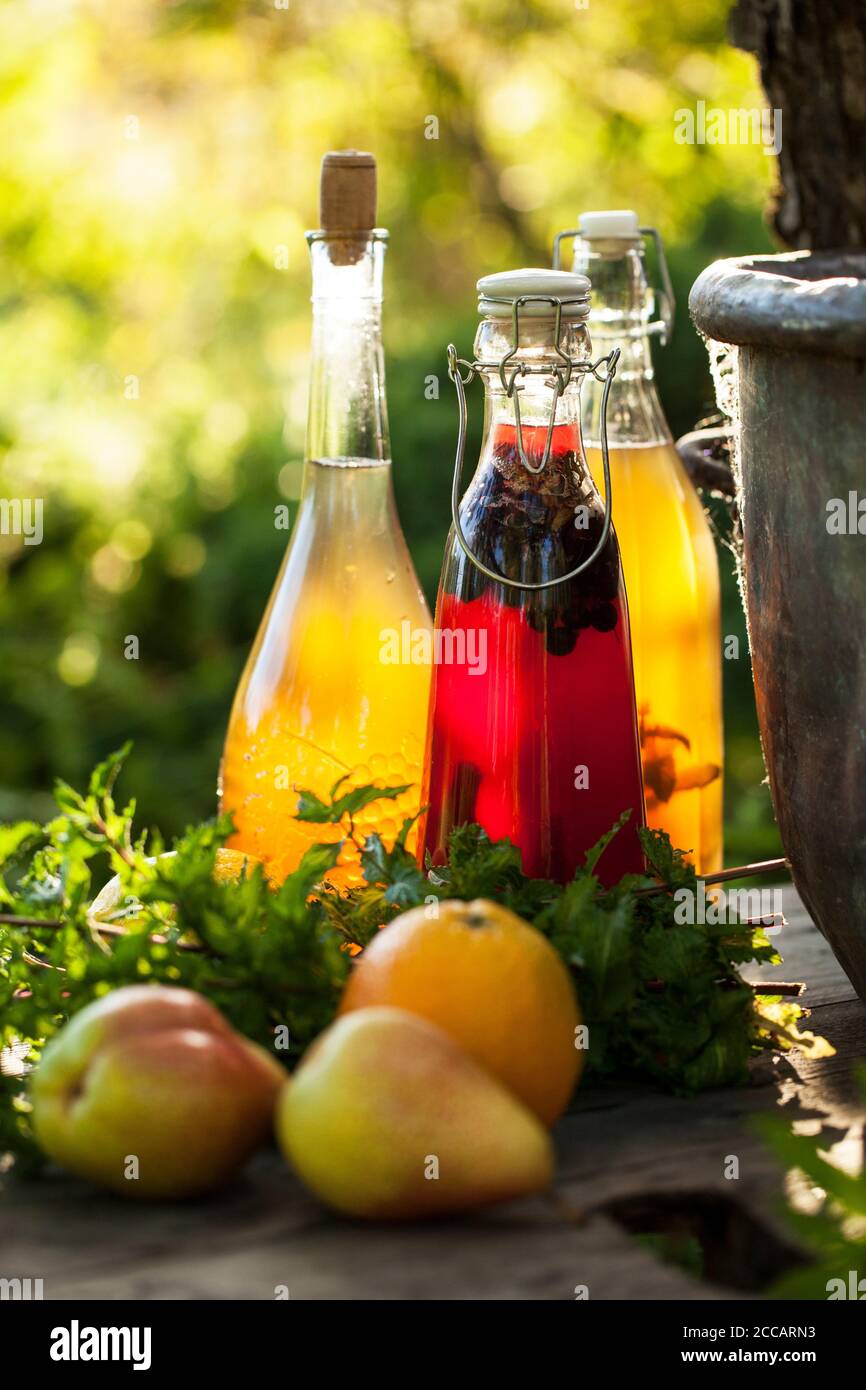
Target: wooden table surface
{"type": "Point", "coordinates": [628, 1158]}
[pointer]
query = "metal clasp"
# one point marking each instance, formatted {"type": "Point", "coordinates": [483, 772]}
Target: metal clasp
{"type": "Point", "coordinates": [463, 372]}
{"type": "Point", "coordinates": [558, 378]}
{"type": "Point", "coordinates": [665, 297]}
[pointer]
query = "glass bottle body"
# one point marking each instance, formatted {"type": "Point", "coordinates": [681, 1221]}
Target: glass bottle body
{"type": "Point", "coordinates": [325, 694]}
{"type": "Point", "coordinates": [670, 567]}
{"type": "Point", "coordinates": [534, 733]}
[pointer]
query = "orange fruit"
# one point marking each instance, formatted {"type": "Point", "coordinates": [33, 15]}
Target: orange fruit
{"type": "Point", "coordinates": [492, 982]}
{"type": "Point", "coordinates": [231, 865]}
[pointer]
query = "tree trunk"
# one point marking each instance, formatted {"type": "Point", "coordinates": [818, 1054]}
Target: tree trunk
{"type": "Point", "coordinates": [812, 55]}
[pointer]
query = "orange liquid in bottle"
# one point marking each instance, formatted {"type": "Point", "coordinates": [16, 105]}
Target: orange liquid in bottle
{"type": "Point", "coordinates": [672, 581]}
{"type": "Point", "coordinates": [320, 698]}
{"type": "Point", "coordinates": [668, 554]}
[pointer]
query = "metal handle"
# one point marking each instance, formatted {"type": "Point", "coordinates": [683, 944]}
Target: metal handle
{"type": "Point", "coordinates": [454, 365]}
{"type": "Point", "coordinates": [667, 303]}
{"type": "Point", "coordinates": [696, 451]}
{"type": "Point", "coordinates": [666, 298]}
{"type": "Point", "coordinates": [557, 244]}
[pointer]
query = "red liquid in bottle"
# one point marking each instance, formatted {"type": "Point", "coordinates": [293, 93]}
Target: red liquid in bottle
{"type": "Point", "coordinates": [535, 736]}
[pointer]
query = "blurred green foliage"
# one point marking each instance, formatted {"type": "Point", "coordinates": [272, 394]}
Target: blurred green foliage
{"type": "Point", "coordinates": [158, 163]}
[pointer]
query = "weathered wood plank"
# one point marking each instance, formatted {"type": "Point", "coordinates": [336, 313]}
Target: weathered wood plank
{"type": "Point", "coordinates": [271, 1234]}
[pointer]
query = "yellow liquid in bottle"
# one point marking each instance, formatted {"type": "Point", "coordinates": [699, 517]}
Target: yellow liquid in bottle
{"type": "Point", "coordinates": [322, 696]}
{"type": "Point", "coordinates": [672, 582]}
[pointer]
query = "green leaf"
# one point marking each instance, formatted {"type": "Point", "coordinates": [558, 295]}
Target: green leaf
{"type": "Point", "coordinates": [406, 885]}
{"type": "Point", "coordinates": [13, 838]}
{"type": "Point", "coordinates": [317, 861]}
{"type": "Point", "coordinates": [803, 1152]}
{"type": "Point", "coordinates": [105, 774]}
{"type": "Point", "coordinates": [668, 864]}
{"type": "Point", "coordinates": [835, 1230]}
{"type": "Point", "coordinates": [313, 809]}
{"type": "Point", "coordinates": [594, 854]}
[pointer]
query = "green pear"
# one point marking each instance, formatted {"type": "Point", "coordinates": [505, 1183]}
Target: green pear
{"type": "Point", "coordinates": [387, 1118]}
{"type": "Point", "coordinates": [150, 1092]}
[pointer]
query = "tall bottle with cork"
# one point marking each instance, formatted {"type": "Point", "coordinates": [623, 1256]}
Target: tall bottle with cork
{"type": "Point", "coordinates": [668, 554]}
{"type": "Point", "coordinates": [323, 696]}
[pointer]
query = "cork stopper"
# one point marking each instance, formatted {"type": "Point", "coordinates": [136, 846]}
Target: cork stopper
{"type": "Point", "coordinates": [347, 202]}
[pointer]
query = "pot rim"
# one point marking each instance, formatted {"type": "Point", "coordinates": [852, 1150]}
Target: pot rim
{"type": "Point", "coordinates": [801, 301]}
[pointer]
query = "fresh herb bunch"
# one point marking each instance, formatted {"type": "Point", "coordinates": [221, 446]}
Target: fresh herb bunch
{"type": "Point", "coordinates": [663, 1002]}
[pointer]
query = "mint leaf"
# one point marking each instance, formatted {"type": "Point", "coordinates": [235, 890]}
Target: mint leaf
{"type": "Point", "coordinates": [395, 868]}
{"type": "Point", "coordinates": [594, 854]}
{"type": "Point", "coordinates": [313, 809]}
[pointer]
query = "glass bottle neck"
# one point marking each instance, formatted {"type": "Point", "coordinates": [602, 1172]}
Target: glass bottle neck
{"type": "Point", "coordinates": [534, 403]}
{"type": "Point", "coordinates": [622, 309]}
{"type": "Point", "coordinates": [532, 400]}
{"type": "Point", "coordinates": [347, 422]}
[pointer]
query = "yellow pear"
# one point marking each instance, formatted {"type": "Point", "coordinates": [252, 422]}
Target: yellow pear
{"type": "Point", "coordinates": [388, 1118]}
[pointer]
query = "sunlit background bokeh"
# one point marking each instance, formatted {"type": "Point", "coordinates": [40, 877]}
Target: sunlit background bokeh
{"type": "Point", "coordinates": [158, 167]}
